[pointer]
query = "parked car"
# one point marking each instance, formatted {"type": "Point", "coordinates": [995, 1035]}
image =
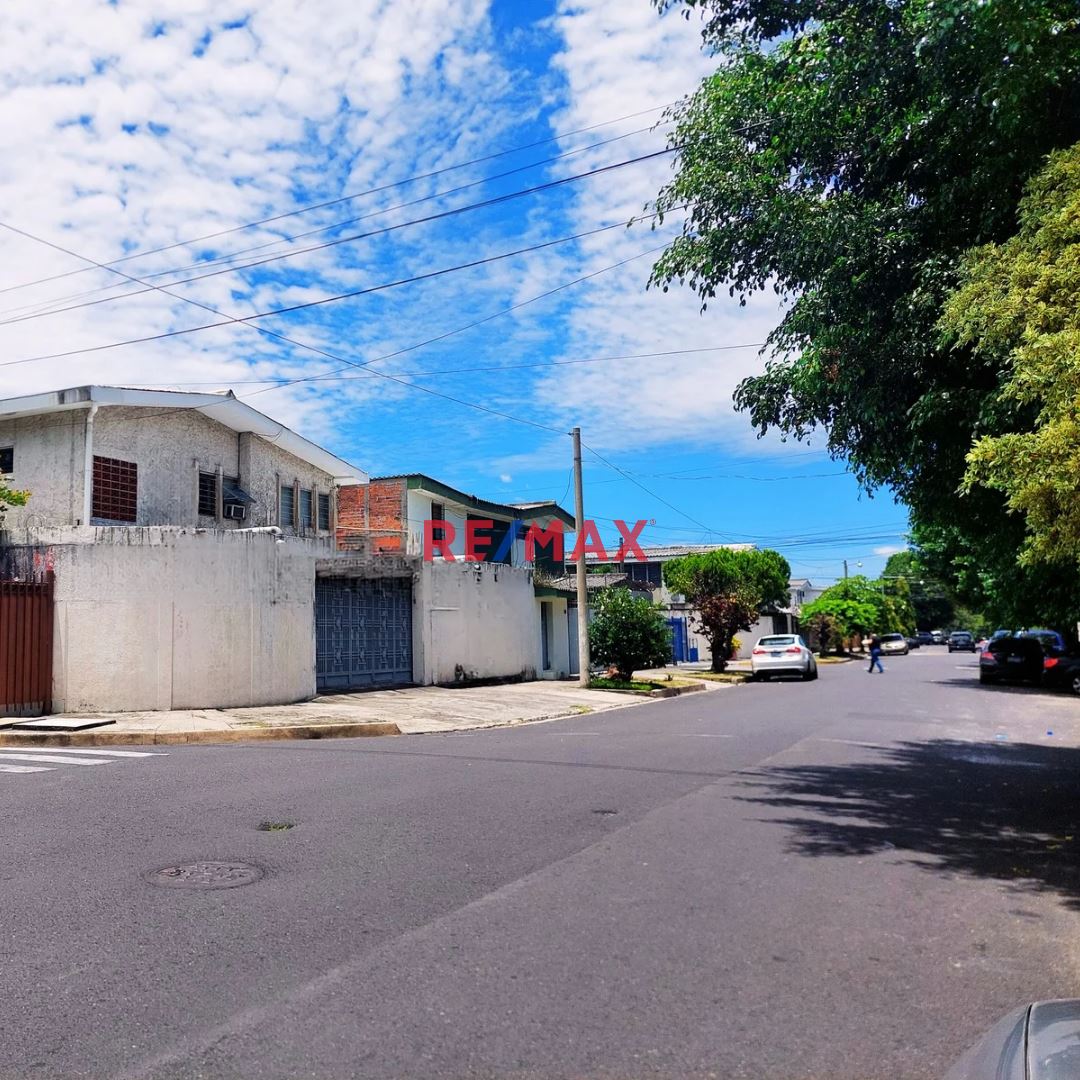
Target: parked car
{"type": "Point", "coordinates": [1062, 672]}
{"type": "Point", "coordinates": [924, 637]}
{"type": "Point", "coordinates": [1000, 633]}
{"type": "Point", "coordinates": [913, 643]}
{"type": "Point", "coordinates": [894, 644]}
{"type": "Point", "coordinates": [1012, 659]}
{"type": "Point", "coordinates": [961, 641]}
{"type": "Point", "coordinates": [782, 654]}
{"type": "Point", "coordinates": [1051, 639]}
{"type": "Point", "coordinates": [937, 637]}
{"type": "Point", "coordinates": [1036, 1042]}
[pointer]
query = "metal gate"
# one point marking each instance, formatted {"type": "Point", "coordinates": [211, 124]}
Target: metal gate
{"type": "Point", "coordinates": [26, 642]}
{"type": "Point", "coordinates": [363, 632]}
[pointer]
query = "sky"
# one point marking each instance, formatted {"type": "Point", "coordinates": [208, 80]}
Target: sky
{"type": "Point", "coordinates": [476, 175]}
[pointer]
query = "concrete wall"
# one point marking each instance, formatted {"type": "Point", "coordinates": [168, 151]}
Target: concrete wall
{"type": "Point", "coordinates": [170, 449]}
{"type": "Point", "coordinates": [474, 621]}
{"type": "Point", "coordinates": [160, 618]}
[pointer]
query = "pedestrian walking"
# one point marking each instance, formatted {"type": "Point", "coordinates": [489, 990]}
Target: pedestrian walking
{"type": "Point", "coordinates": [875, 655]}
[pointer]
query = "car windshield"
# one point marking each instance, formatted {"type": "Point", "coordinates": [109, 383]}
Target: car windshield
{"type": "Point", "coordinates": [770, 641]}
{"type": "Point", "coordinates": [962, 635]}
{"type": "Point", "coordinates": [892, 637]}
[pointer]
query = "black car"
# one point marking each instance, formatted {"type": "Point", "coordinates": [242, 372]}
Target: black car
{"type": "Point", "coordinates": [1012, 659]}
{"type": "Point", "coordinates": [1062, 672]}
{"type": "Point", "coordinates": [961, 641]}
{"type": "Point", "coordinates": [925, 637]}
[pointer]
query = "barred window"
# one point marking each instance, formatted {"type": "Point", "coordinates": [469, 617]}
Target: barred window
{"type": "Point", "coordinates": [208, 494]}
{"type": "Point", "coordinates": [324, 513]}
{"type": "Point", "coordinates": [287, 508]}
{"type": "Point", "coordinates": [306, 518]}
{"type": "Point", "coordinates": [116, 490]}
{"type": "Point", "coordinates": [7, 459]}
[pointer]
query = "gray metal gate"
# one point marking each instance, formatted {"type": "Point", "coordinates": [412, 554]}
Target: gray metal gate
{"type": "Point", "coordinates": [363, 632]}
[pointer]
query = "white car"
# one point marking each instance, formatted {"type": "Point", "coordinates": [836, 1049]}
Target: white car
{"type": "Point", "coordinates": [894, 644]}
{"type": "Point", "coordinates": [782, 654]}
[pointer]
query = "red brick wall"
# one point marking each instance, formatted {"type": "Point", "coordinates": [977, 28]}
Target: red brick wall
{"type": "Point", "coordinates": [372, 516]}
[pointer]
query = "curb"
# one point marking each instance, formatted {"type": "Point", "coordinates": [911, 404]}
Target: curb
{"type": "Point", "coordinates": [173, 738]}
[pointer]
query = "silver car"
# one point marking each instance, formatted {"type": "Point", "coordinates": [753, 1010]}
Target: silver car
{"type": "Point", "coordinates": [782, 654]}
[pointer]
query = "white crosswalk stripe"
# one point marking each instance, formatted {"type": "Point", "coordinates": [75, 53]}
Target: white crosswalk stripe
{"type": "Point", "coordinates": [38, 759]}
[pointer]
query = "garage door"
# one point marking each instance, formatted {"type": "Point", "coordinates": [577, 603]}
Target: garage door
{"type": "Point", "coordinates": [363, 633]}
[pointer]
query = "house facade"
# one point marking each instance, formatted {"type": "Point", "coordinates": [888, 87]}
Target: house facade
{"type": "Point", "coordinates": [486, 618]}
{"type": "Point", "coordinates": [182, 532]}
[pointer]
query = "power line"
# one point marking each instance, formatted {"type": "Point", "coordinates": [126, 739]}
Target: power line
{"type": "Point", "coordinates": [431, 274]}
{"type": "Point", "coordinates": [50, 307]}
{"type": "Point", "coordinates": [495, 200]}
{"type": "Point", "coordinates": [341, 199]}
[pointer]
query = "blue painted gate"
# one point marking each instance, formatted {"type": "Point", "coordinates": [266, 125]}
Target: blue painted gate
{"type": "Point", "coordinates": [680, 642]}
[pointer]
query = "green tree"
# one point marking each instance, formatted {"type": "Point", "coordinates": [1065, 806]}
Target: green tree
{"type": "Point", "coordinates": [844, 615]}
{"type": "Point", "coordinates": [1019, 307]}
{"type": "Point", "coordinates": [10, 496]}
{"type": "Point", "coordinates": [729, 589]}
{"type": "Point", "coordinates": [931, 607]}
{"type": "Point", "coordinates": [628, 633]}
{"type": "Point", "coordinates": [848, 154]}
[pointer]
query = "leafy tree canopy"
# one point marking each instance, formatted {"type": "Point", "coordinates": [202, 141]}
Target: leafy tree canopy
{"type": "Point", "coordinates": [729, 588]}
{"type": "Point", "coordinates": [1018, 307]}
{"type": "Point", "coordinates": [848, 153]}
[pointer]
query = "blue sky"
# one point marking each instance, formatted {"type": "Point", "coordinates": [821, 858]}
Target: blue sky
{"type": "Point", "coordinates": [139, 126]}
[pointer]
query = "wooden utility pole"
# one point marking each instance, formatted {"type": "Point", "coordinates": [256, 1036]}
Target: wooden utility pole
{"type": "Point", "coordinates": [582, 588]}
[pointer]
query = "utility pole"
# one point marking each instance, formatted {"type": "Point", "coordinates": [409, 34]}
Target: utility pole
{"type": "Point", "coordinates": [582, 589]}
{"type": "Point", "coordinates": [845, 569]}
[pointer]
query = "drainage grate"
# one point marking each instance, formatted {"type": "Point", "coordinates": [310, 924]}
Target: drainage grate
{"type": "Point", "coordinates": [205, 875]}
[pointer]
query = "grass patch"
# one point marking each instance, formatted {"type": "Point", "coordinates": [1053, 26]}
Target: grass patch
{"type": "Point", "coordinates": [724, 676]}
{"type": "Point", "coordinates": [275, 826]}
{"type": "Point", "coordinates": [581, 710]}
{"type": "Point", "coordinates": [622, 684]}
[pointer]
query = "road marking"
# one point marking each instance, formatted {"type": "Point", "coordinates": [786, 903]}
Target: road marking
{"type": "Point", "coordinates": [58, 760]}
{"type": "Point", "coordinates": [25, 768]}
{"type": "Point", "coordinates": [88, 750]}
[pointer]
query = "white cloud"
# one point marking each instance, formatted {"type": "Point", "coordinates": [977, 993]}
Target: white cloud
{"type": "Point", "coordinates": [888, 549]}
{"type": "Point", "coordinates": [505, 478]}
{"type": "Point", "coordinates": [619, 58]}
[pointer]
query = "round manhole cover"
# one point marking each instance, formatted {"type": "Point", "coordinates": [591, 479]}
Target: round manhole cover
{"type": "Point", "coordinates": [205, 875]}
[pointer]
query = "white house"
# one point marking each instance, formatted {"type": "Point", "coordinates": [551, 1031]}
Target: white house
{"type": "Point", "coordinates": [182, 531]}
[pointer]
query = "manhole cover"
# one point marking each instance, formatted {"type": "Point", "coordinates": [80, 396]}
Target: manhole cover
{"type": "Point", "coordinates": [205, 875]}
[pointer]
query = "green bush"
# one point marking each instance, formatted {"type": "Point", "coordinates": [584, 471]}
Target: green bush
{"type": "Point", "coordinates": [628, 633]}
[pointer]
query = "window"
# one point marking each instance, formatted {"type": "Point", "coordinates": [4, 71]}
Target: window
{"type": "Point", "coordinates": [287, 507]}
{"type": "Point", "coordinates": [324, 513]}
{"type": "Point", "coordinates": [116, 488]}
{"type": "Point", "coordinates": [7, 459]}
{"type": "Point", "coordinates": [306, 520]}
{"type": "Point", "coordinates": [438, 511]}
{"type": "Point", "coordinates": [208, 494]}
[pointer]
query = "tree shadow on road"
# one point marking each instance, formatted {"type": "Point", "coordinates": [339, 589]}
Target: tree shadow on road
{"type": "Point", "coordinates": [1008, 811]}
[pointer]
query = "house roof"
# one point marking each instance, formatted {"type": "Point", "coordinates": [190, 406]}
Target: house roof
{"type": "Point", "coordinates": [522, 511]}
{"type": "Point", "coordinates": [673, 551]}
{"type": "Point", "coordinates": [224, 407]}
{"type": "Point", "coordinates": [597, 582]}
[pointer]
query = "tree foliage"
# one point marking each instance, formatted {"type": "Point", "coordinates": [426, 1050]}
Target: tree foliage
{"type": "Point", "coordinates": [930, 603]}
{"type": "Point", "coordinates": [10, 496]}
{"type": "Point", "coordinates": [848, 154]}
{"type": "Point", "coordinates": [859, 606]}
{"type": "Point", "coordinates": [728, 588]}
{"type": "Point", "coordinates": [1018, 307]}
{"type": "Point", "coordinates": [628, 633]}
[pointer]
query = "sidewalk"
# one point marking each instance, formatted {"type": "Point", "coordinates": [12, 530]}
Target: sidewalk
{"type": "Point", "coordinates": [417, 710]}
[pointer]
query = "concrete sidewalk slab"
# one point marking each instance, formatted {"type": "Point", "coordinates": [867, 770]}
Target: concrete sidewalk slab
{"type": "Point", "coordinates": [414, 710]}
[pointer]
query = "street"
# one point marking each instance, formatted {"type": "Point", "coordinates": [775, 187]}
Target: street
{"type": "Point", "coordinates": [849, 879]}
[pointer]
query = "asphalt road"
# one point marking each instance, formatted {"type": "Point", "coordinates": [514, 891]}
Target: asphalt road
{"type": "Point", "coordinates": [848, 879]}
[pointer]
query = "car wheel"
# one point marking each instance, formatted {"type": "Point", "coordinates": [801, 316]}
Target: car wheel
{"type": "Point", "coordinates": [811, 675]}
{"type": "Point", "coordinates": [1074, 684]}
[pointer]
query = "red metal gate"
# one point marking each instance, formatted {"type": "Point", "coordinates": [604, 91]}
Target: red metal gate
{"type": "Point", "coordinates": [26, 646]}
